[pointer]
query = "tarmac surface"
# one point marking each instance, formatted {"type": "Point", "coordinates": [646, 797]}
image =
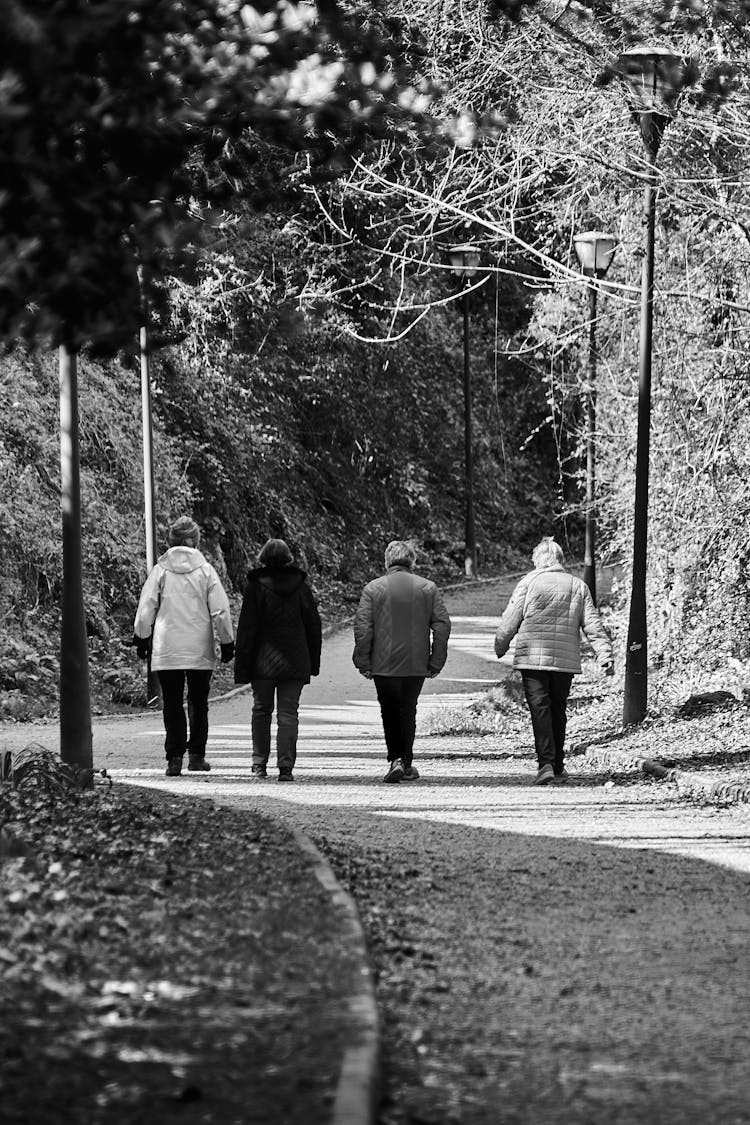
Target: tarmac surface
{"type": "Point", "coordinates": [339, 795]}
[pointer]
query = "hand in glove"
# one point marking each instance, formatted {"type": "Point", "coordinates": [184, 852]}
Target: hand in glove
{"type": "Point", "coordinates": [227, 652]}
{"type": "Point", "coordinates": [142, 646]}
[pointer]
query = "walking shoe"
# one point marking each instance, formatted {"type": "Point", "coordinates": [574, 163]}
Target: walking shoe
{"type": "Point", "coordinates": [286, 775]}
{"type": "Point", "coordinates": [562, 776]}
{"type": "Point", "coordinates": [174, 766]}
{"type": "Point", "coordinates": [396, 771]}
{"type": "Point", "coordinates": [198, 762]}
{"type": "Point", "coordinates": [411, 773]}
{"type": "Point", "coordinates": [258, 769]}
{"type": "Point", "coordinates": [545, 775]}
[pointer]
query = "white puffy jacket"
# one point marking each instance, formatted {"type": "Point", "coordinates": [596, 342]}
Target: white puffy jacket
{"type": "Point", "coordinates": [184, 602]}
{"type": "Point", "coordinates": [548, 609]}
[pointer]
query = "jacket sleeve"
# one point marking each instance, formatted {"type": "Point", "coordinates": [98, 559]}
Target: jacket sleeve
{"type": "Point", "coordinates": [148, 606]}
{"type": "Point", "coordinates": [247, 636]}
{"type": "Point", "coordinates": [313, 629]}
{"type": "Point", "coordinates": [363, 632]}
{"type": "Point", "coordinates": [219, 608]}
{"type": "Point", "coordinates": [440, 626]}
{"type": "Point", "coordinates": [510, 622]}
{"type": "Point", "coordinates": [593, 627]}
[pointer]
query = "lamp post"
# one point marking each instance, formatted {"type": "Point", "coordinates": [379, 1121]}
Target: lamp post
{"type": "Point", "coordinates": [464, 261]}
{"type": "Point", "coordinates": [653, 77]}
{"type": "Point", "coordinates": [153, 690]}
{"type": "Point", "coordinates": [595, 251]}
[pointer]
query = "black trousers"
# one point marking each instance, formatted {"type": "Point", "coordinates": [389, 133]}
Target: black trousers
{"type": "Point", "coordinates": [287, 694]}
{"type": "Point", "coordinates": [172, 693]}
{"type": "Point", "coordinates": [547, 696]}
{"type": "Point", "coordinates": [397, 696]}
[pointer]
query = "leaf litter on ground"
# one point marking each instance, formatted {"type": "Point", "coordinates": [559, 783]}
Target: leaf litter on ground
{"type": "Point", "coordinates": [162, 959]}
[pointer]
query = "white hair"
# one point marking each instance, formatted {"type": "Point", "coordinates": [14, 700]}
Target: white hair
{"type": "Point", "coordinates": [399, 553]}
{"type": "Point", "coordinates": [547, 553]}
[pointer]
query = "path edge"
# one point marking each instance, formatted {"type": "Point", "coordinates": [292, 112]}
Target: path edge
{"type": "Point", "coordinates": [358, 1090]}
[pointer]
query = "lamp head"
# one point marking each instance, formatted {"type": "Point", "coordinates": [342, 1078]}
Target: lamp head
{"type": "Point", "coordinates": [595, 250]}
{"type": "Point", "coordinates": [654, 77]}
{"type": "Point", "coordinates": [464, 259]}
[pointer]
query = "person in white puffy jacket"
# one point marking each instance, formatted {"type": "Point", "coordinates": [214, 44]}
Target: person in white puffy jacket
{"type": "Point", "coordinates": [546, 613]}
{"type": "Point", "coordinates": [182, 612]}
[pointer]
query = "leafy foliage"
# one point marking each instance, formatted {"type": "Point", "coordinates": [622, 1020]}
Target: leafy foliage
{"type": "Point", "coordinates": [308, 377]}
{"type": "Point", "coordinates": [119, 122]}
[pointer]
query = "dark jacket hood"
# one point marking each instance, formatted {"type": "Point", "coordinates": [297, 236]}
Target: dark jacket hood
{"type": "Point", "coordinates": [280, 580]}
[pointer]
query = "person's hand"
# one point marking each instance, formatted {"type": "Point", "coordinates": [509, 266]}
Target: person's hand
{"type": "Point", "coordinates": [142, 646]}
{"type": "Point", "coordinates": [227, 652]}
{"type": "Point", "coordinates": [609, 668]}
{"type": "Point", "coordinates": [367, 675]}
{"type": "Point", "coordinates": [430, 674]}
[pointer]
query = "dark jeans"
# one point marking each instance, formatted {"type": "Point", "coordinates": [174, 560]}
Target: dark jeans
{"type": "Point", "coordinates": [547, 697]}
{"type": "Point", "coordinates": [397, 696]}
{"type": "Point", "coordinates": [287, 705]}
{"type": "Point", "coordinates": [172, 693]}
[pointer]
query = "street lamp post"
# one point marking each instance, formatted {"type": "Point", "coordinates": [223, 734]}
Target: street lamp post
{"type": "Point", "coordinates": [153, 689]}
{"type": "Point", "coordinates": [654, 77]}
{"type": "Point", "coordinates": [595, 251]}
{"type": "Point", "coordinates": [464, 262]}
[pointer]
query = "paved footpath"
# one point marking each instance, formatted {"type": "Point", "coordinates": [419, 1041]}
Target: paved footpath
{"type": "Point", "coordinates": [650, 891]}
{"type": "Point", "coordinates": [341, 759]}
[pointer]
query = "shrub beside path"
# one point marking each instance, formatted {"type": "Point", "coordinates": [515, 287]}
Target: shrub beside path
{"type": "Point", "coordinates": [565, 954]}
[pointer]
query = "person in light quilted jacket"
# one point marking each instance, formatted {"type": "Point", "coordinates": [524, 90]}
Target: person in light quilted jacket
{"type": "Point", "coordinates": [279, 641]}
{"type": "Point", "coordinates": [401, 632]}
{"type": "Point", "coordinates": [183, 610]}
{"type": "Point", "coordinates": [546, 613]}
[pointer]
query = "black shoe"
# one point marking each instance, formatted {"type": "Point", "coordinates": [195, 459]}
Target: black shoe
{"type": "Point", "coordinates": [197, 762]}
{"type": "Point", "coordinates": [259, 770]}
{"type": "Point", "coordinates": [411, 773]}
{"type": "Point", "coordinates": [174, 766]}
{"type": "Point", "coordinates": [285, 775]}
{"type": "Point", "coordinates": [396, 771]}
{"type": "Point", "coordinates": [562, 777]}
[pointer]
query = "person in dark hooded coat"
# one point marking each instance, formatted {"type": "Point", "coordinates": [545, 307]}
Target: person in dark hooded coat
{"type": "Point", "coordinates": [278, 645]}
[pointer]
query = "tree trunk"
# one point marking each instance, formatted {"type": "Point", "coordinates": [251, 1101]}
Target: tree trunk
{"type": "Point", "coordinates": [75, 699]}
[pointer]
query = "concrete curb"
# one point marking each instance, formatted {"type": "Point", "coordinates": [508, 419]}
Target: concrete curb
{"type": "Point", "coordinates": [358, 1090]}
{"type": "Point", "coordinates": [695, 786]}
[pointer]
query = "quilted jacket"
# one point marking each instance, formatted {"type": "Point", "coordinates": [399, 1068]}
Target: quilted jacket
{"type": "Point", "coordinates": [547, 611]}
{"type": "Point", "coordinates": [401, 627]}
{"type": "Point", "coordinates": [279, 634]}
{"type": "Point", "coordinates": [183, 601]}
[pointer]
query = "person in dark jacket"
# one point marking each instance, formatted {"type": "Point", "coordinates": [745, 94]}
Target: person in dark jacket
{"type": "Point", "coordinates": [278, 645]}
{"type": "Point", "coordinates": [401, 632]}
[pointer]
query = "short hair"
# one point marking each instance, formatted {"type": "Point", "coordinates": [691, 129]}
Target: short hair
{"type": "Point", "coordinates": [274, 553]}
{"type": "Point", "coordinates": [547, 553]}
{"type": "Point", "coordinates": [399, 553]}
{"type": "Point", "coordinates": [184, 532]}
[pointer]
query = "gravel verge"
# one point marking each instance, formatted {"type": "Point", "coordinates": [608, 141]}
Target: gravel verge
{"type": "Point", "coordinates": [528, 980]}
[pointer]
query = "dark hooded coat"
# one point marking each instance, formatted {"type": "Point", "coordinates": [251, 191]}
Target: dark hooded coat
{"type": "Point", "coordinates": [279, 634]}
